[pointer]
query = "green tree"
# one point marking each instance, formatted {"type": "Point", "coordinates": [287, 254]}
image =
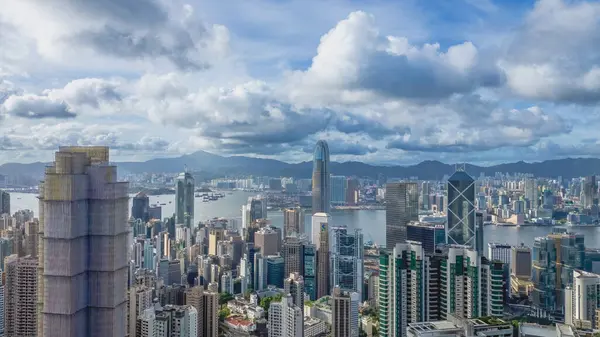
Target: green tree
{"type": "Point", "coordinates": [224, 313]}
{"type": "Point", "coordinates": [265, 302]}
{"type": "Point", "coordinates": [224, 298]}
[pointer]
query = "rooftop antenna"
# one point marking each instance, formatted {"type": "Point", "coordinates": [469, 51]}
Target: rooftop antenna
{"type": "Point", "coordinates": [460, 167]}
{"type": "Point", "coordinates": [185, 168]}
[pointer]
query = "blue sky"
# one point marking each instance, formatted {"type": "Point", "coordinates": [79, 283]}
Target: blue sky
{"type": "Point", "coordinates": [390, 82]}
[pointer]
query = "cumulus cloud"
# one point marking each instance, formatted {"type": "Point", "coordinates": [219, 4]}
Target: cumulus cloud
{"type": "Point", "coordinates": [554, 56]}
{"type": "Point", "coordinates": [127, 29]}
{"type": "Point", "coordinates": [354, 57]}
{"type": "Point", "coordinates": [36, 107]}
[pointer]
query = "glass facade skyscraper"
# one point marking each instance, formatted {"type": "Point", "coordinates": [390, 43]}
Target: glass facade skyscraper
{"type": "Point", "coordinates": [346, 256]}
{"type": "Point", "coordinates": [461, 228]}
{"type": "Point", "coordinates": [402, 207]}
{"type": "Point", "coordinates": [184, 201]}
{"type": "Point", "coordinates": [321, 189]}
{"type": "Point", "coordinates": [338, 190]}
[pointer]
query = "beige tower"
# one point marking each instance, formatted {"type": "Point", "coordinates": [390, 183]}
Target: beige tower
{"type": "Point", "coordinates": [207, 306]}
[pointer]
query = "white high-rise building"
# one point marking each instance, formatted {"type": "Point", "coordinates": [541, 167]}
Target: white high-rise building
{"type": "Point", "coordinates": [286, 319]}
{"type": "Point", "coordinates": [581, 300]}
{"type": "Point", "coordinates": [500, 251]}
{"type": "Point", "coordinates": [318, 219]}
{"type": "Point", "coordinates": [145, 326]}
{"type": "Point", "coordinates": [140, 299]}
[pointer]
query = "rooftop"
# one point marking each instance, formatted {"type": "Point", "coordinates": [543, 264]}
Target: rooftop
{"type": "Point", "coordinates": [433, 326]}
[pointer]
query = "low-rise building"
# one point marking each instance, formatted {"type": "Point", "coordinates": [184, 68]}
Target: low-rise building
{"type": "Point", "coordinates": [240, 324]}
{"type": "Point", "coordinates": [314, 327]}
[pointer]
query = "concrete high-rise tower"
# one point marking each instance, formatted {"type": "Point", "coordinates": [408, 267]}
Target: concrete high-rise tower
{"type": "Point", "coordinates": [402, 207]}
{"type": "Point", "coordinates": [293, 221]}
{"type": "Point", "coordinates": [83, 247]}
{"type": "Point", "coordinates": [321, 189]}
{"type": "Point", "coordinates": [207, 306]}
{"type": "Point", "coordinates": [20, 296]}
{"type": "Point", "coordinates": [320, 234]}
{"type": "Point", "coordinates": [140, 207]}
{"type": "Point", "coordinates": [461, 228]}
{"type": "Point", "coordinates": [184, 199]}
{"type": "Point", "coordinates": [344, 313]}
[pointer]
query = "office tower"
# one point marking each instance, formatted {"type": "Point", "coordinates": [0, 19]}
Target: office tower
{"type": "Point", "coordinates": [140, 207]}
{"type": "Point", "coordinates": [207, 307]}
{"type": "Point", "coordinates": [84, 245]}
{"type": "Point", "coordinates": [402, 206]}
{"type": "Point", "coordinates": [352, 191]}
{"type": "Point", "coordinates": [285, 318]}
{"type": "Point", "coordinates": [293, 253]}
{"type": "Point", "coordinates": [294, 285]}
{"type": "Point", "coordinates": [499, 251]}
{"type": "Point", "coordinates": [6, 249]}
{"type": "Point", "coordinates": [401, 288]}
{"type": "Point", "coordinates": [461, 228]}
{"type": "Point", "coordinates": [344, 313]}
{"type": "Point", "coordinates": [174, 276]}
{"type": "Point", "coordinates": [346, 259]}
{"type": "Point", "coordinates": [320, 238]}
{"type": "Point", "coordinates": [581, 300]}
{"type": "Point", "coordinates": [184, 199]}
{"type": "Point", "coordinates": [268, 239]}
{"type": "Point", "coordinates": [319, 222]}
{"type": "Point", "coordinates": [31, 238]}
{"type": "Point", "coordinates": [293, 221]}
{"type": "Point", "coordinates": [429, 234]}
{"type": "Point", "coordinates": [20, 296]}
{"type": "Point", "coordinates": [4, 202]}
{"type": "Point", "coordinates": [555, 256]}
{"type": "Point", "coordinates": [531, 192]}
{"type": "Point", "coordinates": [140, 299]}
{"type": "Point", "coordinates": [270, 271]}
{"type": "Point", "coordinates": [479, 233]}
{"type": "Point", "coordinates": [590, 192]}
{"type": "Point", "coordinates": [227, 283]}
{"type": "Point", "coordinates": [520, 264]}
{"type": "Point", "coordinates": [215, 235]}
{"type": "Point", "coordinates": [424, 198]}
{"type": "Point", "coordinates": [155, 212]}
{"type": "Point", "coordinates": [255, 209]}
{"type": "Point", "coordinates": [493, 287]}
{"type": "Point", "coordinates": [148, 255]}
{"type": "Point", "coordinates": [338, 190]}
{"type": "Point", "coordinates": [321, 199]}
{"type": "Point", "coordinates": [310, 269]}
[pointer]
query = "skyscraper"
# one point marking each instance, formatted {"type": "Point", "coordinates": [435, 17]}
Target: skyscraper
{"type": "Point", "coordinates": [4, 202]}
{"type": "Point", "coordinates": [344, 313]}
{"type": "Point", "coordinates": [293, 221]}
{"type": "Point", "coordinates": [20, 296]}
{"type": "Point", "coordinates": [402, 207]}
{"type": "Point", "coordinates": [581, 300]}
{"type": "Point", "coordinates": [293, 253]}
{"type": "Point", "coordinates": [310, 269]}
{"type": "Point", "coordinates": [347, 256]}
{"type": "Point", "coordinates": [184, 199]}
{"type": "Point", "coordinates": [461, 228]}
{"type": "Point", "coordinates": [590, 192]}
{"type": "Point", "coordinates": [84, 255]}
{"type": "Point", "coordinates": [339, 184]}
{"type": "Point", "coordinates": [140, 207]}
{"type": "Point", "coordinates": [207, 306]}
{"type": "Point", "coordinates": [320, 237]}
{"type": "Point", "coordinates": [321, 189]}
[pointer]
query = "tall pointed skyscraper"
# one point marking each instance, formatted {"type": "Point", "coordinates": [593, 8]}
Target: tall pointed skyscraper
{"type": "Point", "coordinates": [321, 190]}
{"type": "Point", "coordinates": [184, 200]}
{"type": "Point", "coordinates": [461, 227]}
{"type": "Point", "coordinates": [83, 228]}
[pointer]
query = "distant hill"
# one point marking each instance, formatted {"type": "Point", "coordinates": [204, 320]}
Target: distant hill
{"type": "Point", "coordinates": [212, 165]}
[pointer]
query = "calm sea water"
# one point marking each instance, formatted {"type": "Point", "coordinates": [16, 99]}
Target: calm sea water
{"type": "Point", "coordinates": [371, 222]}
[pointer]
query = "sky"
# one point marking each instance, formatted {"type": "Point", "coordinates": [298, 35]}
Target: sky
{"type": "Point", "coordinates": [382, 81]}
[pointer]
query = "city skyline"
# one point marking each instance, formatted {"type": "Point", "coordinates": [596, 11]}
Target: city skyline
{"type": "Point", "coordinates": [474, 80]}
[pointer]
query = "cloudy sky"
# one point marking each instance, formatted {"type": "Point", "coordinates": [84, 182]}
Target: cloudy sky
{"type": "Point", "coordinates": [383, 81]}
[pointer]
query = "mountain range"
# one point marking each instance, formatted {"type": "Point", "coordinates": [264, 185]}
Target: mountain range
{"type": "Point", "coordinates": [209, 165]}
